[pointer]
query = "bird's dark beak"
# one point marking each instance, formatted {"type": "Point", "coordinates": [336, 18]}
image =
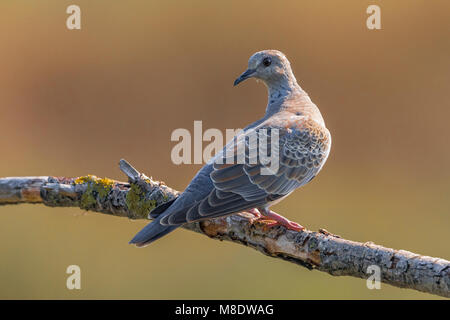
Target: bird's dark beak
{"type": "Point", "coordinates": [247, 74]}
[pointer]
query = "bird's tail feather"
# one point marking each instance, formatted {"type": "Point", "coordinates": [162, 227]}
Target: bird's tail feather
{"type": "Point", "coordinates": [154, 230]}
{"type": "Point", "coordinates": [151, 232]}
{"type": "Point", "coordinates": [161, 208]}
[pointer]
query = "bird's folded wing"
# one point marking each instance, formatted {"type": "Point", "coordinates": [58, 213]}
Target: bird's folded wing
{"type": "Point", "coordinates": [248, 174]}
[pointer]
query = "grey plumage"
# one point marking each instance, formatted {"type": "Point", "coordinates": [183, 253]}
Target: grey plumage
{"type": "Point", "coordinates": [221, 188]}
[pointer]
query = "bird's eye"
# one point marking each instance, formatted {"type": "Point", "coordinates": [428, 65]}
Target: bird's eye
{"type": "Point", "coordinates": [267, 61]}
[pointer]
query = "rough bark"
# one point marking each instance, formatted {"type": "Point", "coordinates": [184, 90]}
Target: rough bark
{"type": "Point", "coordinates": [314, 250]}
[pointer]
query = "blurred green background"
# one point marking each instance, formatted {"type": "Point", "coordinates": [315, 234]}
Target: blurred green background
{"type": "Point", "coordinates": [75, 102]}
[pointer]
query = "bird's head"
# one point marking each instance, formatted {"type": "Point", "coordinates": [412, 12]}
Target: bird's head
{"type": "Point", "coordinates": [270, 66]}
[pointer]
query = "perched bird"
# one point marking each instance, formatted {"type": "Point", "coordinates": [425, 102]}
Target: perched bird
{"type": "Point", "coordinates": [223, 187]}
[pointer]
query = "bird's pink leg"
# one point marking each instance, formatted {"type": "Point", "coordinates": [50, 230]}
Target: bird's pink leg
{"type": "Point", "coordinates": [280, 220]}
{"type": "Point", "coordinates": [254, 212]}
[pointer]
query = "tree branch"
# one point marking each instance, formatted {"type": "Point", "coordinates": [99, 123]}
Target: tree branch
{"type": "Point", "coordinates": [314, 250]}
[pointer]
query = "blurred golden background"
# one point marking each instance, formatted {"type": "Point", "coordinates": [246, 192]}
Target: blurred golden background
{"type": "Point", "coordinates": [74, 102]}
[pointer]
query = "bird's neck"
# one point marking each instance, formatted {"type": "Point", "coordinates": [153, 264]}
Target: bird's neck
{"type": "Point", "coordinates": [281, 90]}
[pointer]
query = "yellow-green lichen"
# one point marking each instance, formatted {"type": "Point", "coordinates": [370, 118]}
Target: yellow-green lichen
{"type": "Point", "coordinates": [85, 179]}
{"type": "Point", "coordinates": [138, 203]}
{"type": "Point", "coordinates": [96, 187]}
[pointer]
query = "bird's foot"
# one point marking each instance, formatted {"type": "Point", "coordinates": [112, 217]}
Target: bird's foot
{"type": "Point", "coordinates": [271, 219]}
{"type": "Point", "coordinates": [257, 216]}
{"type": "Point", "coordinates": [255, 212]}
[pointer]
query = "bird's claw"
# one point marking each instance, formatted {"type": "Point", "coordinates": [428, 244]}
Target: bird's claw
{"type": "Point", "coordinates": [255, 212]}
{"type": "Point", "coordinates": [294, 226]}
{"type": "Point", "coordinates": [268, 222]}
